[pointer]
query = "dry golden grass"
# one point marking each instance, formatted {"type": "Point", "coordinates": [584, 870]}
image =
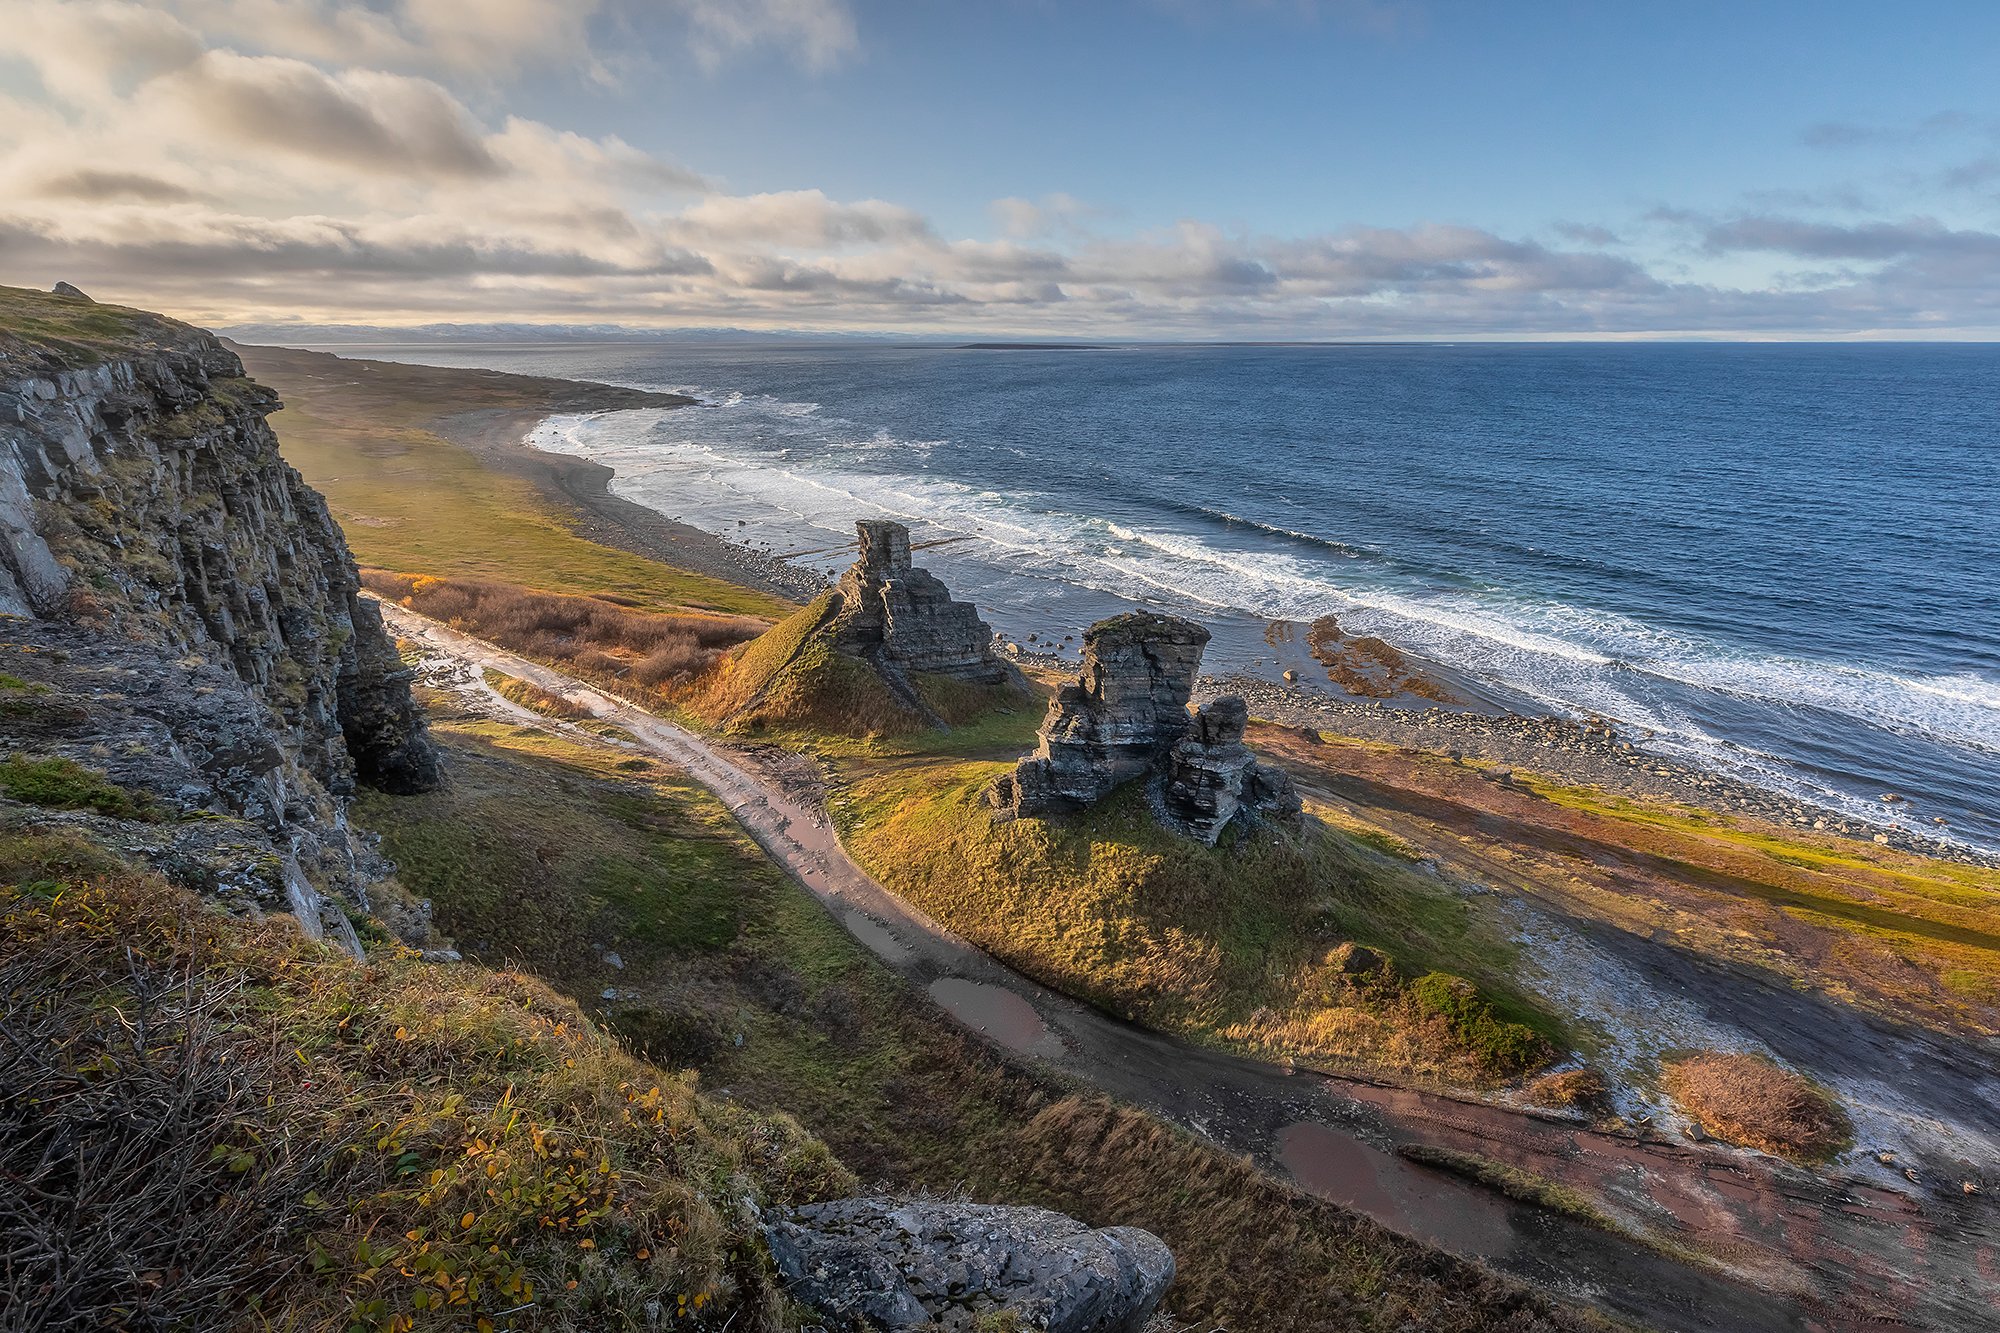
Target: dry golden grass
{"type": "Point", "coordinates": [1572, 1088]}
{"type": "Point", "coordinates": [663, 654]}
{"type": "Point", "coordinates": [1239, 943]}
{"type": "Point", "coordinates": [792, 678]}
{"type": "Point", "coordinates": [216, 1126]}
{"type": "Point", "coordinates": [1749, 1101]}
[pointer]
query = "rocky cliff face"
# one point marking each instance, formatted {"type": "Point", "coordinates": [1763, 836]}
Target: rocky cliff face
{"type": "Point", "coordinates": [180, 602]}
{"type": "Point", "coordinates": [1127, 717]}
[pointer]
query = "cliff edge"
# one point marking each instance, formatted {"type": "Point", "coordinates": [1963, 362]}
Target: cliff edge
{"type": "Point", "coordinates": [180, 616]}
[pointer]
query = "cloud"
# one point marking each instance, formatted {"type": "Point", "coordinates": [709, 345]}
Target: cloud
{"type": "Point", "coordinates": [820, 33]}
{"type": "Point", "coordinates": [1586, 233]}
{"type": "Point", "coordinates": [348, 161]}
{"type": "Point", "coordinates": [366, 118]}
{"type": "Point", "coordinates": [797, 218]}
{"type": "Point", "coordinates": [1840, 134]}
{"type": "Point", "coordinates": [1868, 241]}
{"type": "Point", "coordinates": [95, 186]}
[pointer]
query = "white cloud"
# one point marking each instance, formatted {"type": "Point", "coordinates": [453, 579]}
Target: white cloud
{"type": "Point", "coordinates": [236, 159]}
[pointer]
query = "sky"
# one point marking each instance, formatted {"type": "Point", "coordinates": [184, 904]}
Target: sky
{"type": "Point", "coordinates": [1243, 169]}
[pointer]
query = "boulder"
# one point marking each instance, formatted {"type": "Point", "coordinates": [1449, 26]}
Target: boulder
{"type": "Point", "coordinates": [893, 1264]}
{"type": "Point", "coordinates": [65, 289]}
{"type": "Point", "coordinates": [1212, 777]}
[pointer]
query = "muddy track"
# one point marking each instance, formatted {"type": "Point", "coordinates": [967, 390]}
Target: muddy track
{"type": "Point", "coordinates": [1333, 1136]}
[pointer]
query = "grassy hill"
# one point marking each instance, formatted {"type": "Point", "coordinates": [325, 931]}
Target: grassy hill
{"type": "Point", "coordinates": [229, 1126]}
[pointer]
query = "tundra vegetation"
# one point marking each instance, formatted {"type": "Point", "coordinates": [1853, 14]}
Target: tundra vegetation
{"type": "Point", "coordinates": [612, 873]}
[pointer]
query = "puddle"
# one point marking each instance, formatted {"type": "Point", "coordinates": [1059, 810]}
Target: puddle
{"type": "Point", "coordinates": [1400, 1195]}
{"type": "Point", "coordinates": [881, 941]}
{"type": "Point", "coordinates": [999, 1013]}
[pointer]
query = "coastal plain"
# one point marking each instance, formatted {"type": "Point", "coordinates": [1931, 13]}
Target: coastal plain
{"type": "Point", "coordinates": [1656, 910]}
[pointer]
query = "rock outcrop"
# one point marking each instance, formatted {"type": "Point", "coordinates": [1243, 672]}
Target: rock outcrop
{"type": "Point", "coordinates": [1126, 717]}
{"type": "Point", "coordinates": [892, 1264]}
{"type": "Point", "coordinates": [903, 618]}
{"type": "Point", "coordinates": [184, 607]}
{"type": "Point", "coordinates": [1211, 776]}
{"type": "Point", "coordinates": [885, 650]}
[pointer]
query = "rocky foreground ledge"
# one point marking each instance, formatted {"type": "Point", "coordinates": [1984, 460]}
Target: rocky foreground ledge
{"type": "Point", "coordinates": [900, 1265]}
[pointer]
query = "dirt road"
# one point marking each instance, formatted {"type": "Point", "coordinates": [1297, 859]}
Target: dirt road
{"type": "Point", "coordinates": [1333, 1137]}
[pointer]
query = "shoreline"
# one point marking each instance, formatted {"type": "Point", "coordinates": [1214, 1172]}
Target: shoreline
{"type": "Point", "coordinates": [583, 487]}
{"type": "Point", "coordinates": [1480, 723]}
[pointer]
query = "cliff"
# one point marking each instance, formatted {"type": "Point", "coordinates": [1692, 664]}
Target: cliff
{"type": "Point", "coordinates": [182, 615]}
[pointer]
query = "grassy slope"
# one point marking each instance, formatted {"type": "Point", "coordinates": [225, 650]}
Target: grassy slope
{"type": "Point", "coordinates": [1239, 943]}
{"type": "Point", "coordinates": [548, 850]}
{"type": "Point", "coordinates": [410, 500]}
{"type": "Point", "coordinates": [229, 1126]}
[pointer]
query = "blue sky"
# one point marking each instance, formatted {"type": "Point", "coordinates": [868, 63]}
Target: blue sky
{"type": "Point", "coordinates": [1153, 168]}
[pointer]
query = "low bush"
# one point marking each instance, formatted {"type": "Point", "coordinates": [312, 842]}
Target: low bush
{"type": "Point", "coordinates": [64, 784]}
{"type": "Point", "coordinates": [207, 1125]}
{"type": "Point", "coordinates": [1571, 1088]}
{"type": "Point", "coordinates": [1753, 1102]}
{"type": "Point", "coordinates": [593, 635]}
{"type": "Point", "coordinates": [1503, 1047]}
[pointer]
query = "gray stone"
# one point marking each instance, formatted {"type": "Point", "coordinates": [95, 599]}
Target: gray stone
{"type": "Point", "coordinates": [1118, 719]}
{"type": "Point", "coordinates": [903, 618]}
{"type": "Point", "coordinates": [889, 1264]}
{"type": "Point", "coordinates": [1127, 717]}
{"type": "Point", "coordinates": [65, 289]}
{"type": "Point", "coordinates": [201, 636]}
{"type": "Point", "coordinates": [1212, 777]}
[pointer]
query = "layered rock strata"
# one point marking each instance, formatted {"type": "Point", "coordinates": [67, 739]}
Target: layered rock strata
{"type": "Point", "coordinates": [1126, 717]}
{"type": "Point", "coordinates": [888, 1264]}
{"type": "Point", "coordinates": [1211, 777]}
{"type": "Point", "coordinates": [903, 618]}
{"type": "Point", "coordinates": [183, 598]}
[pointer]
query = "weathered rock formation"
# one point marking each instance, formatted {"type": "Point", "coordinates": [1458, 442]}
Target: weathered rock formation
{"type": "Point", "coordinates": [903, 1265]}
{"type": "Point", "coordinates": [1118, 719]}
{"type": "Point", "coordinates": [183, 608]}
{"type": "Point", "coordinates": [903, 618]}
{"type": "Point", "coordinates": [1127, 717]}
{"type": "Point", "coordinates": [1212, 777]}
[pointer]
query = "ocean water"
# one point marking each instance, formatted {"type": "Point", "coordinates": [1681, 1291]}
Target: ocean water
{"type": "Point", "coordinates": [1782, 560]}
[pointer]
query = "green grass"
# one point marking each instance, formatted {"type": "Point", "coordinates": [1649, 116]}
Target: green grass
{"type": "Point", "coordinates": [1234, 943]}
{"type": "Point", "coordinates": [64, 784]}
{"type": "Point", "coordinates": [1522, 1186]}
{"type": "Point", "coordinates": [64, 332]}
{"type": "Point", "coordinates": [651, 860]}
{"type": "Point", "coordinates": [410, 500]}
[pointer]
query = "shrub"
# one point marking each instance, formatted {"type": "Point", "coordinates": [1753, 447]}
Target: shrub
{"type": "Point", "coordinates": [64, 784]}
{"type": "Point", "coordinates": [1753, 1102]}
{"type": "Point", "coordinates": [1505, 1048]}
{"type": "Point", "coordinates": [593, 635]}
{"type": "Point", "coordinates": [1569, 1088]}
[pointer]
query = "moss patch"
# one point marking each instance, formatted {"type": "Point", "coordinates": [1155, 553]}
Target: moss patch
{"type": "Point", "coordinates": [63, 784]}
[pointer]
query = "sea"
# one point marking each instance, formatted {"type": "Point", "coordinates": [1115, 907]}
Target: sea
{"type": "Point", "coordinates": [1780, 560]}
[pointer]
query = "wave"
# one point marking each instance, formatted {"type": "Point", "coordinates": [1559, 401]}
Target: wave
{"type": "Point", "coordinates": [793, 463]}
